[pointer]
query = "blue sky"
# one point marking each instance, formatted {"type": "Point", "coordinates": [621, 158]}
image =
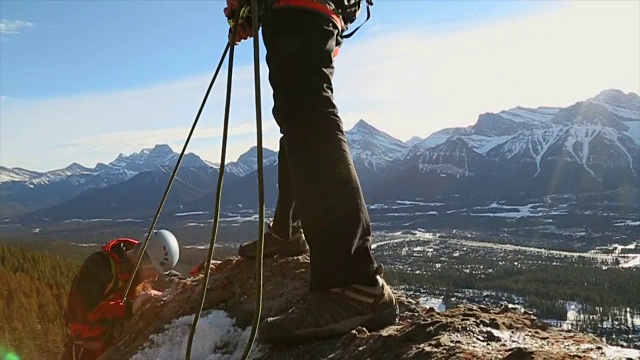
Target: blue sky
{"type": "Point", "coordinates": [82, 81]}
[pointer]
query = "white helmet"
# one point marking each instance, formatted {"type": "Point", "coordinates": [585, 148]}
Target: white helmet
{"type": "Point", "coordinates": [163, 250]}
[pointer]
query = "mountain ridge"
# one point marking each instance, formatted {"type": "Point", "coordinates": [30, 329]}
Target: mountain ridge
{"type": "Point", "coordinates": [582, 148]}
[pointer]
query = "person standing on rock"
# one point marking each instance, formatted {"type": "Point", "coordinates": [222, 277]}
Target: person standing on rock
{"type": "Point", "coordinates": [95, 307]}
{"type": "Point", "coordinates": [347, 290]}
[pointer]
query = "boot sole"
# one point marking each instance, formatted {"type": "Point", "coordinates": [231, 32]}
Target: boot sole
{"type": "Point", "coordinates": [374, 322]}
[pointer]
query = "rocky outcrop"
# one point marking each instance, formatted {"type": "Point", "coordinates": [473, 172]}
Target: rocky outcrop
{"type": "Point", "coordinates": [466, 332]}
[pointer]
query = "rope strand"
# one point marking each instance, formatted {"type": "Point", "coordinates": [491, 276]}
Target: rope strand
{"type": "Point", "coordinates": [216, 212]}
{"type": "Point", "coordinates": [173, 175]}
{"type": "Point", "coordinates": [261, 221]}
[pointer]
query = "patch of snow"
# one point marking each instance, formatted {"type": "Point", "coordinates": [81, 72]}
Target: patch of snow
{"type": "Point", "coordinates": [520, 114]}
{"type": "Point", "coordinates": [376, 206]}
{"type": "Point", "coordinates": [199, 247]}
{"type": "Point", "coordinates": [216, 338]}
{"type": "Point", "coordinates": [241, 218]}
{"type": "Point", "coordinates": [15, 174]}
{"type": "Point", "coordinates": [633, 263]}
{"type": "Point", "coordinates": [374, 147]}
{"type": "Point", "coordinates": [634, 130]}
{"type": "Point", "coordinates": [482, 144]}
{"type": "Point", "coordinates": [614, 352]}
{"type": "Point", "coordinates": [432, 302]}
{"type": "Point", "coordinates": [191, 213]}
{"type": "Point", "coordinates": [626, 223]}
{"type": "Point", "coordinates": [87, 220]}
{"type": "Point", "coordinates": [530, 210]}
{"type": "Point", "coordinates": [192, 224]}
{"type": "Point", "coordinates": [613, 136]}
{"type": "Point", "coordinates": [412, 213]}
{"type": "Point", "coordinates": [432, 140]}
{"type": "Point", "coordinates": [408, 202]}
{"type": "Point", "coordinates": [618, 110]}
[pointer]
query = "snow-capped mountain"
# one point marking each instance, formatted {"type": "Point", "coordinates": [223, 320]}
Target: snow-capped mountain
{"type": "Point", "coordinates": [373, 148]}
{"type": "Point", "coordinates": [589, 146]}
{"type": "Point", "coordinates": [16, 174]}
{"type": "Point", "coordinates": [414, 140]}
{"type": "Point", "coordinates": [151, 159]}
{"type": "Point", "coordinates": [248, 162]}
{"type": "Point", "coordinates": [60, 174]}
{"type": "Point", "coordinates": [617, 102]}
{"type": "Point", "coordinates": [25, 190]}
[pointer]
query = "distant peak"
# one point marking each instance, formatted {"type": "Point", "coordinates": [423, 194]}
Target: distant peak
{"type": "Point", "coordinates": [252, 153]}
{"type": "Point", "coordinates": [617, 97]}
{"type": "Point", "coordinates": [164, 148]}
{"type": "Point", "coordinates": [610, 93]}
{"type": "Point", "coordinates": [414, 140]}
{"type": "Point", "coordinates": [74, 165]}
{"type": "Point", "coordinates": [361, 124]}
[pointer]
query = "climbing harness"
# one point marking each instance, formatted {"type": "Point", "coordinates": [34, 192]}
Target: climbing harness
{"type": "Point", "coordinates": [343, 16]}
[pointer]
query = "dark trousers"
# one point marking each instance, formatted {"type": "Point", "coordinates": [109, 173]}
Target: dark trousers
{"type": "Point", "coordinates": [300, 46]}
{"type": "Point", "coordinates": [285, 214]}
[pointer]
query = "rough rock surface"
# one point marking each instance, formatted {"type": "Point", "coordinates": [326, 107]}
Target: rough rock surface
{"type": "Point", "coordinates": [466, 332]}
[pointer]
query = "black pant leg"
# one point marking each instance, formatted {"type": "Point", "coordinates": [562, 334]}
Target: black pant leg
{"type": "Point", "coordinates": [283, 216]}
{"type": "Point", "coordinates": [300, 46]}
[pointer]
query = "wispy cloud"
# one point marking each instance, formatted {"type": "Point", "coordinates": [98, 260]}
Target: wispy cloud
{"type": "Point", "coordinates": [201, 141]}
{"type": "Point", "coordinates": [412, 82]}
{"type": "Point", "coordinates": [404, 81]}
{"type": "Point", "coordinates": [13, 26]}
{"type": "Point", "coordinates": [46, 134]}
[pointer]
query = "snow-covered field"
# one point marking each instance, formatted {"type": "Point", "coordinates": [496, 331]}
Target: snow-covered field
{"type": "Point", "coordinates": [428, 236]}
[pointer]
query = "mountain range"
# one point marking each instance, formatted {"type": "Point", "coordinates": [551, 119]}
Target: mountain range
{"type": "Point", "coordinates": [590, 147]}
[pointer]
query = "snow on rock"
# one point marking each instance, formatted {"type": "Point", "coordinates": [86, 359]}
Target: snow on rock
{"type": "Point", "coordinates": [525, 115]}
{"type": "Point", "coordinates": [482, 144]}
{"type": "Point", "coordinates": [16, 174]}
{"type": "Point", "coordinates": [216, 338]}
{"type": "Point", "coordinates": [634, 130]}
{"type": "Point", "coordinates": [248, 162]}
{"type": "Point", "coordinates": [619, 103]}
{"type": "Point", "coordinates": [414, 140]}
{"type": "Point", "coordinates": [374, 147]}
{"type": "Point", "coordinates": [433, 140]}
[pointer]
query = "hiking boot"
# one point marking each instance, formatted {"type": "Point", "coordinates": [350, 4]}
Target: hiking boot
{"type": "Point", "coordinates": [275, 245]}
{"type": "Point", "coordinates": [333, 313]}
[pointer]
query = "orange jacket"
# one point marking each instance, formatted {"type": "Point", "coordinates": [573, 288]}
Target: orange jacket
{"type": "Point", "coordinates": [95, 298]}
